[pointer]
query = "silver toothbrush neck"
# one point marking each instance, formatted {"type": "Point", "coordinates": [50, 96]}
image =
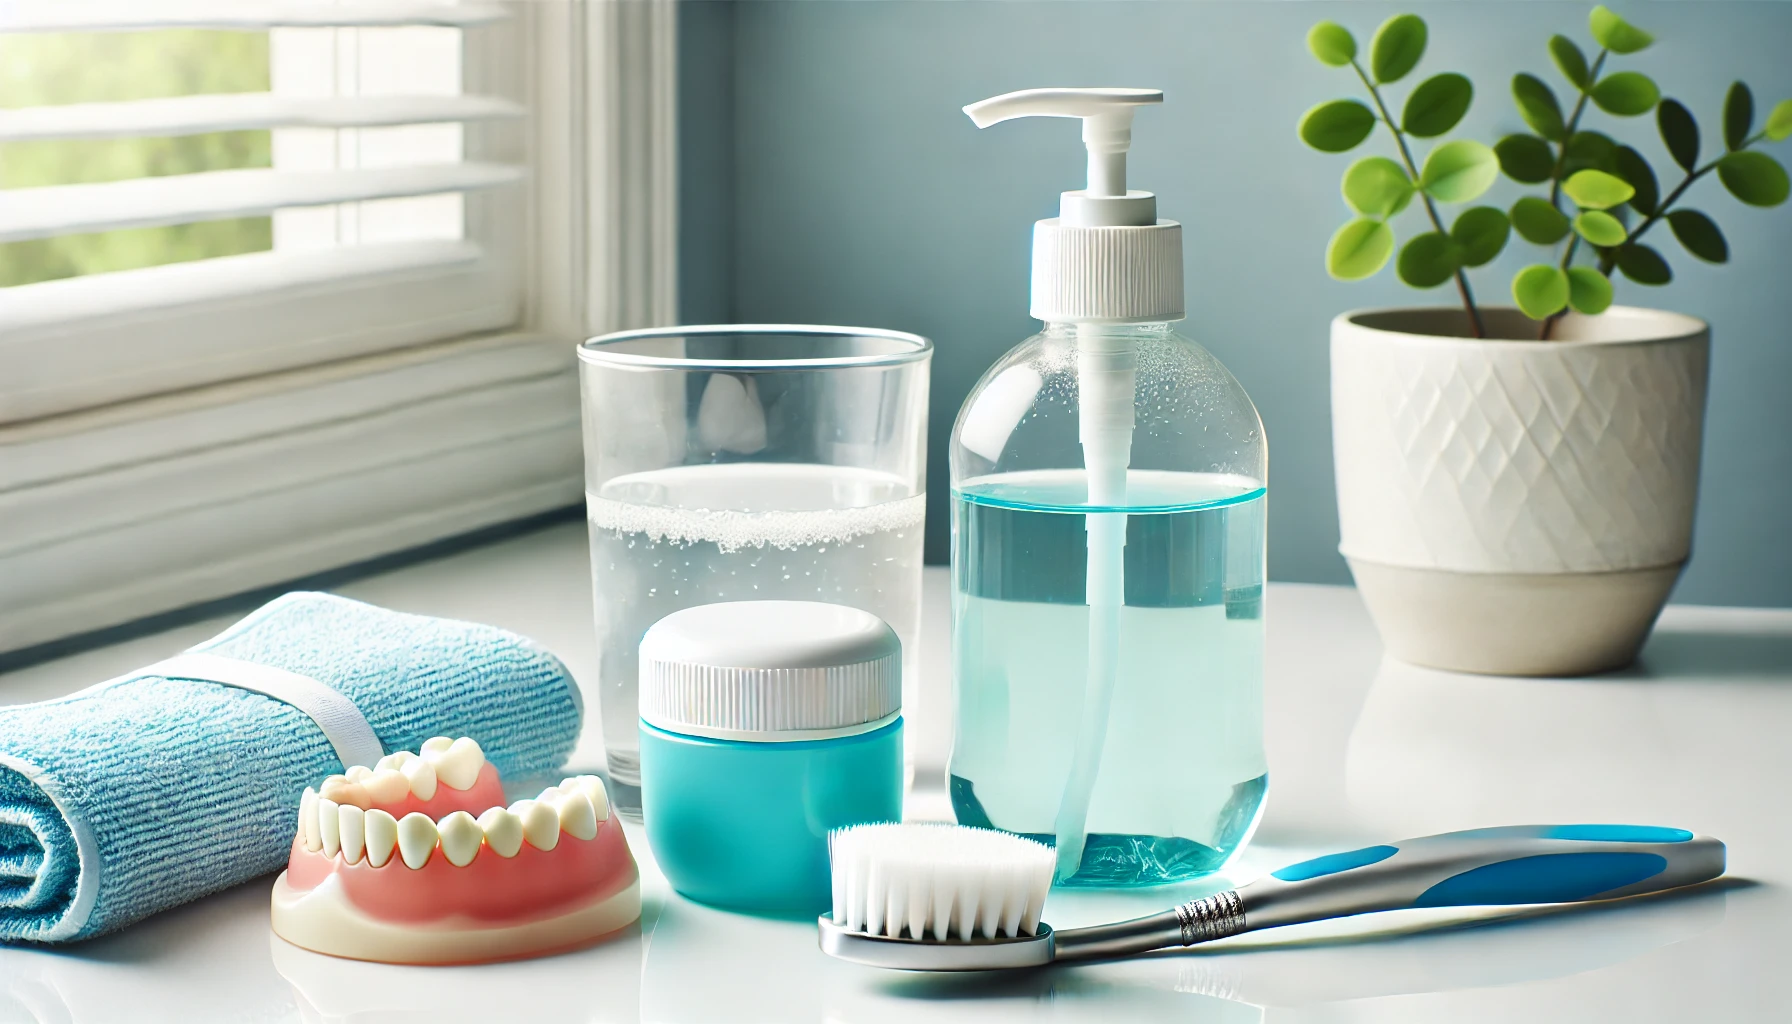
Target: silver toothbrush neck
{"type": "Point", "coordinates": [1202, 920]}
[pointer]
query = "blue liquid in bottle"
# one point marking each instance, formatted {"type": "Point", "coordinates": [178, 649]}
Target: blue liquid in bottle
{"type": "Point", "coordinates": [1182, 774]}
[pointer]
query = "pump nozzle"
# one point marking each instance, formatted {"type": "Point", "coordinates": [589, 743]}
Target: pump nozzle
{"type": "Point", "coordinates": [1107, 134]}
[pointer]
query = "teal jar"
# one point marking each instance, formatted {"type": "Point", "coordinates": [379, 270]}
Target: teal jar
{"type": "Point", "coordinates": [764, 726]}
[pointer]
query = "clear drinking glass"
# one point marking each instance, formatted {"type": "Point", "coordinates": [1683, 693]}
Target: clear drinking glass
{"type": "Point", "coordinates": [748, 462]}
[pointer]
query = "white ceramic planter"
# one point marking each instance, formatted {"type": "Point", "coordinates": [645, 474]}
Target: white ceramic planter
{"type": "Point", "coordinates": [1514, 506]}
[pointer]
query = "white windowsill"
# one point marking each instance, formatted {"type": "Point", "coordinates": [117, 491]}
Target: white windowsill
{"type": "Point", "coordinates": [119, 514]}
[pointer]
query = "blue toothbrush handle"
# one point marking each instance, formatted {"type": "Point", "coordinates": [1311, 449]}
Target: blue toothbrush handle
{"type": "Point", "coordinates": [1484, 867]}
{"type": "Point", "coordinates": [1481, 867]}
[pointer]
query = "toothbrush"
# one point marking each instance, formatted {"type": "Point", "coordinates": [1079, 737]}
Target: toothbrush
{"type": "Point", "coordinates": [952, 898]}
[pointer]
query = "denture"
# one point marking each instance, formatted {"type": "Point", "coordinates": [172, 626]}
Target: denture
{"type": "Point", "coordinates": [418, 860]}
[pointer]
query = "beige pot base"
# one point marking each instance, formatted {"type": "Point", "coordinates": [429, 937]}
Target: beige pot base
{"type": "Point", "coordinates": [1515, 624]}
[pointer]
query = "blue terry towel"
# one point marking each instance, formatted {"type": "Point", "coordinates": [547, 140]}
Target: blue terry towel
{"type": "Point", "coordinates": [149, 791]}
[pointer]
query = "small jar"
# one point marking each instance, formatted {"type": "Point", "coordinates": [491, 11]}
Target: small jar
{"type": "Point", "coordinates": [765, 725]}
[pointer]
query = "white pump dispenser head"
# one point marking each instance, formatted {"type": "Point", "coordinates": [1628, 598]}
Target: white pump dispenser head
{"type": "Point", "coordinates": [1106, 258]}
{"type": "Point", "coordinates": [1107, 134]}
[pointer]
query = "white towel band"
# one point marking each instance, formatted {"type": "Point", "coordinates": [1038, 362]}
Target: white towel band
{"type": "Point", "coordinates": [342, 722]}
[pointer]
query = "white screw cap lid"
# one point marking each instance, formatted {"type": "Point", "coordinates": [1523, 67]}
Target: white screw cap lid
{"type": "Point", "coordinates": [770, 671]}
{"type": "Point", "coordinates": [1107, 275]}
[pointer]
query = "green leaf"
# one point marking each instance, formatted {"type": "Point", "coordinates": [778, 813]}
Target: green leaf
{"type": "Point", "coordinates": [1540, 290]}
{"type": "Point", "coordinates": [1600, 228]}
{"type": "Point", "coordinates": [1700, 235]}
{"type": "Point", "coordinates": [1428, 260]}
{"type": "Point", "coordinates": [1458, 171]}
{"type": "Point", "coordinates": [1597, 190]}
{"type": "Point", "coordinates": [1525, 158]}
{"type": "Point", "coordinates": [1680, 132]}
{"type": "Point", "coordinates": [1755, 178]}
{"type": "Point", "coordinates": [1589, 291]}
{"type": "Point", "coordinates": [1332, 43]}
{"type": "Point", "coordinates": [1436, 105]}
{"type": "Point", "coordinates": [1570, 61]}
{"type": "Point", "coordinates": [1779, 122]}
{"type": "Point", "coordinates": [1359, 249]}
{"type": "Point", "coordinates": [1643, 265]}
{"type": "Point", "coordinates": [1537, 104]}
{"type": "Point", "coordinates": [1481, 232]}
{"type": "Point", "coordinates": [1635, 170]}
{"type": "Point", "coordinates": [1337, 126]}
{"type": "Point", "coordinates": [1626, 94]}
{"type": "Point", "coordinates": [1377, 187]}
{"type": "Point", "coordinates": [1397, 47]}
{"type": "Point", "coordinates": [1616, 34]}
{"type": "Point", "coordinates": [1591, 149]}
{"type": "Point", "coordinates": [1538, 221]}
{"type": "Point", "coordinates": [1739, 115]}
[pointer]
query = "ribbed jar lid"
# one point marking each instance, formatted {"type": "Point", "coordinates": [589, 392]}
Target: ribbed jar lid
{"type": "Point", "coordinates": [770, 671]}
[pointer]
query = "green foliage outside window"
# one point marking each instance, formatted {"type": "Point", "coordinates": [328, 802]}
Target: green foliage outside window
{"type": "Point", "coordinates": [105, 67]}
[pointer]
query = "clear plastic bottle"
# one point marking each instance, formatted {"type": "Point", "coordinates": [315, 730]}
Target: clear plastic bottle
{"type": "Point", "coordinates": [1108, 514]}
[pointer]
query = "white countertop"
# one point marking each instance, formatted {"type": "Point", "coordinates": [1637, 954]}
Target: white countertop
{"type": "Point", "coordinates": [1699, 736]}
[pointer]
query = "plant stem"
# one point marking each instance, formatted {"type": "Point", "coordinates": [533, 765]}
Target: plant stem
{"type": "Point", "coordinates": [1610, 259]}
{"type": "Point", "coordinates": [1549, 322]}
{"type": "Point", "coordinates": [1555, 184]}
{"type": "Point", "coordinates": [1462, 289]}
{"type": "Point", "coordinates": [1580, 106]}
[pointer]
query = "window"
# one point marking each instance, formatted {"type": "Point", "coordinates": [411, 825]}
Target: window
{"type": "Point", "coordinates": [285, 284]}
{"type": "Point", "coordinates": [384, 203]}
{"type": "Point", "coordinates": [56, 70]}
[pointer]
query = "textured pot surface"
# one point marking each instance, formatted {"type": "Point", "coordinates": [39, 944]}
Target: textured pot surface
{"type": "Point", "coordinates": [1513, 506]}
{"type": "Point", "coordinates": [1515, 456]}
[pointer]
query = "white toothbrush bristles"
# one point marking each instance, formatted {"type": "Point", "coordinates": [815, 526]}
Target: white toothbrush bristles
{"type": "Point", "coordinates": [938, 882]}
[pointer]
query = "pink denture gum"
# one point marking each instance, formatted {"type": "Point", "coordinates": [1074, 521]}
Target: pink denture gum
{"type": "Point", "coordinates": [418, 861]}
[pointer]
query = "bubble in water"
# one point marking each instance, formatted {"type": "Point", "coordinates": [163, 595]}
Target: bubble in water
{"type": "Point", "coordinates": [730, 530]}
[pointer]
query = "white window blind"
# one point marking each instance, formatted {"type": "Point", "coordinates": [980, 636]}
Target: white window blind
{"type": "Point", "coordinates": [450, 196]}
{"type": "Point", "coordinates": [395, 195]}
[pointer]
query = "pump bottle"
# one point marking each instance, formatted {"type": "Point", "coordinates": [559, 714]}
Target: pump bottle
{"type": "Point", "coordinates": [1108, 493]}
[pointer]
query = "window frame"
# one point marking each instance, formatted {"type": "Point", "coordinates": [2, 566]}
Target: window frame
{"type": "Point", "coordinates": [86, 342]}
{"type": "Point", "coordinates": [138, 506]}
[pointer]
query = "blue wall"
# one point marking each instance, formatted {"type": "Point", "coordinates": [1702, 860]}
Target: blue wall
{"type": "Point", "coordinates": [829, 177]}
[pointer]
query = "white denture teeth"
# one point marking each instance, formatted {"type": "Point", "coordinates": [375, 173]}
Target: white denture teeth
{"type": "Point", "coordinates": [328, 826]}
{"type": "Point", "coordinates": [577, 817]}
{"type": "Point", "coordinates": [339, 818]}
{"type": "Point", "coordinates": [420, 775]}
{"type": "Point", "coordinates": [308, 821]}
{"type": "Point", "coordinates": [461, 836]}
{"type": "Point", "coordinates": [396, 760]}
{"type": "Point", "coordinates": [382, 836]}
{"type": "Point", "coordinates": [541, 823]}
{"type": "Point", "coordinates": [503, 831]}
{"type": "Point", "coordinates": [340, 789]}
{"type": "Point", "coordinates": [417, 837]}
{"type": "Point", "coordinates": [593, 788]}
{"type": "Point", "coordinates": [457, 764]}
{"type": "Point", "coordinates": [351, 832]}
{"type": "Point", "coordinates": [387, 786]}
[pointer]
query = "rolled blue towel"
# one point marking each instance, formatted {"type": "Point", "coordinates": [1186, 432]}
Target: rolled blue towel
{"type": "Point", "coordinates": [148, 791]}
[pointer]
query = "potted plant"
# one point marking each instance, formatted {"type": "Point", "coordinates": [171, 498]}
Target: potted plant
{"type": "Point", "coordinates": [1516, 484]}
